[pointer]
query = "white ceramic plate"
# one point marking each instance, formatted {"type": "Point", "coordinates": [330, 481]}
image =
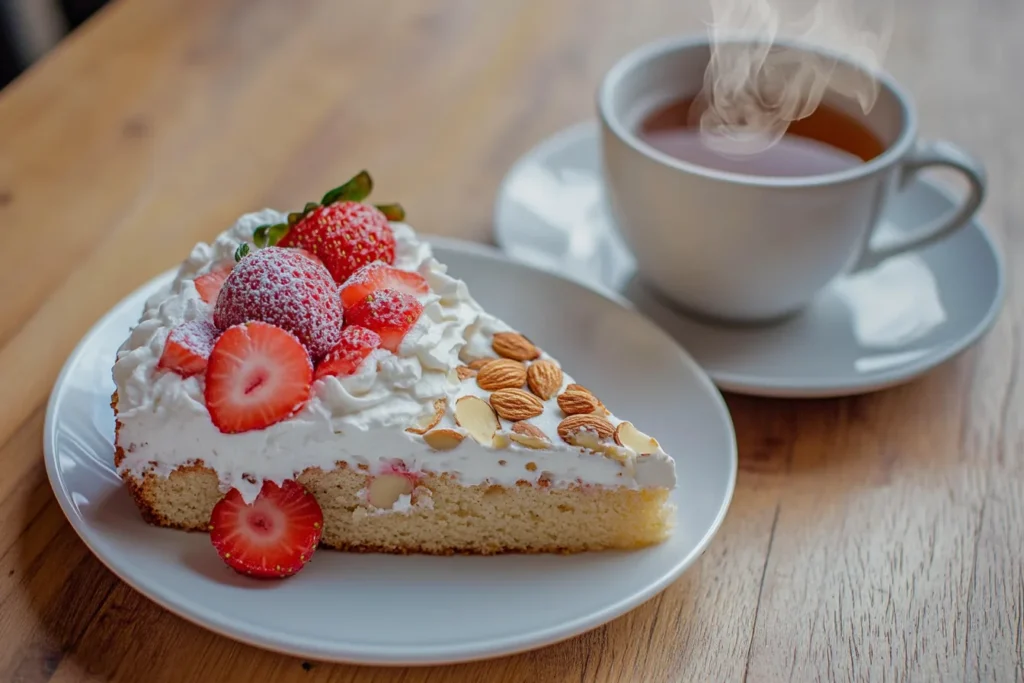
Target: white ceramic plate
{"type": "Point", "coordinates": [873, 330]}
{"type": "Point", "coordinates": [386, 609]}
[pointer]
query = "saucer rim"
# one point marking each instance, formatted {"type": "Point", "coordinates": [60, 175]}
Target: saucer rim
{"type": "Point", "coordinates": [744, 383]}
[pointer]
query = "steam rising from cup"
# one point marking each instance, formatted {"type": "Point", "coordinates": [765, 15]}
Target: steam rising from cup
{"type": "Point", "coordinates": [754, 87]}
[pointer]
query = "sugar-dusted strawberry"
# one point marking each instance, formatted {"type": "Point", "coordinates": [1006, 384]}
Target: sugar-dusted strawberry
{"type": "Point", "coordinates": [389, 313]}
{"type": "Point", "coordinates": [188, 347]}
{"type": "Point", "coordinates": [257, 375]}
{"type": "Point", "coordinates": [208, 284]}
{"type": "Point", "coordinates": [346, 236]}
{"type": "Point", "coordinates": [283, 287]}
{"type": "Point", "coordinates": [355, 345]}
{"type": "Point", "coordinates": [272, 538]}
{"type": "Point", "coordinates": [376, 276]}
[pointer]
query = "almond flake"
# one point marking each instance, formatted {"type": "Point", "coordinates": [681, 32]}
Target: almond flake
{"type": "Point", "coordinates": [526, 434]}
{"type": "Point", "coordinates": [476, 416]}
{"type": "Point", "coordinates": [464, 372]}
{"type": "Point", "coordinates": [385, 490]}
{"type": "Point", "coordinates": [629, 436]}
{"type": "Point", "coordinates": [443, 439]}
{"type": "Point", "coordinates": [428, 421]}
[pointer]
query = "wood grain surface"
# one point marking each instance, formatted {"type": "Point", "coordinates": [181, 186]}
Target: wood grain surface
{"type": "Point", "coordinates": [873, 538]}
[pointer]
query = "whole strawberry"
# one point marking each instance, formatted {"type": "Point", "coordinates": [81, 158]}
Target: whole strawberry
{"type": "Point", "coordinates": [341, 231]}
{"type": "Point", "coordinates": [346, 236]}
{"type": "Point", "coordinates": [287, 288]}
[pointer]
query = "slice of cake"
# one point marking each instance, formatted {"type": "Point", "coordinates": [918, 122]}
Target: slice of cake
{"type": "Point", "coordinates": [318, 378]}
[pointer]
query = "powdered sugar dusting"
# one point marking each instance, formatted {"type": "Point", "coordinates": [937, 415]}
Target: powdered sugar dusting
{"type": "Point", "coordinates": [197, 336]}
{"type": "Point", "coordinates": [283, 287]}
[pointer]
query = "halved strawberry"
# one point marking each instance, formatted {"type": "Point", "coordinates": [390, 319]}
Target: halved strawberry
{"type": "Point", "coordinates": [257, 375]}
{"type": "Point", "coordinates": [272, 538]}
{"type": "Point", "coordinates": [356, 344]}
{"type": "Point", "coordinates": [376, 276]}
{"type": "Point", "coordinates": [389, 313]}
{"type": "Point", "coordinates": [209, 284]}
{"type": "Point", "coordinates": [188, 347]}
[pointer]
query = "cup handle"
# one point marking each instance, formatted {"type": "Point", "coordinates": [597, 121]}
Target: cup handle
{"type": "Point", "coordinates": [927, 155]}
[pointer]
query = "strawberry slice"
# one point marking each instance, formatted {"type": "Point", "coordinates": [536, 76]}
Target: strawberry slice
{"type": "Point", "coordinates": [344, 359]}
{"type": "Point", "coordinates": [376, 276]}
{"type": "Point", "coordinates": [208, 285]}
{"type": "Point", "coordinates": [272, 538]}
{"type": "Point", "coordinates": [257, 375]}
{"type": "Point", "coordinates": [389, 313]}
{"type": "Point", "coordinates": [188, 347]}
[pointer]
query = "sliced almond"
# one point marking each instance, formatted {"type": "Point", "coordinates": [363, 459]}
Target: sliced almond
{"type": "Point", "coordinates": [479, 363]}
{"type": "Point", "coordinates": [516, 404]}
{"type": "Point", "coordinates": [575, 424]}
{"type": "Point", "coordinates": [428, 421]}
{"type": "Point", "coordinates": [443, 439]}
{"type": "Point", "coordinates": [385, 490]}
{"type": "Point", "coordinates": [544, 378]}
{"type": "Point", "coordinates": [501, 374]}
{"type": "Point", "coordinates": [514, 345]}
{"type": "Point", "coordinates": [577, 402]}
{"type": "Point", "coordinates": [526, 434]}
{"type": "Point", "coordinates": [476, 416]}
{"type": "Point", "coordinates": [629, 436]}
{"type": "Point", "coordinates": [501, 440]}
{"type": "Point", "coordinates": [464, 372]}
{"type": "Point", "coordinates": [593, 442]}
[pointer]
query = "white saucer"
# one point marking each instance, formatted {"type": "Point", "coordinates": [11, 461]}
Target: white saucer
{"type": "Point", "coordinates": [877, 329]}
{"type": "Point", "coordinates": [387, 609]}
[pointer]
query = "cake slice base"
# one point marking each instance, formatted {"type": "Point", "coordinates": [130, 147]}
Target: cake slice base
{"type": "Point", "coordinates": [482, 519]}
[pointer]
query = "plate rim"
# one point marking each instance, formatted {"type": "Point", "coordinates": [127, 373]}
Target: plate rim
{"type": "Point", "coordinates": [750, 385]}
{"type": "Point", "coordinates": [378, 656]}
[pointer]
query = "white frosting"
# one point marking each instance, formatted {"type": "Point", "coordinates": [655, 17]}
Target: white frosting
{"type": "Point", "coordinates": [359, 419]}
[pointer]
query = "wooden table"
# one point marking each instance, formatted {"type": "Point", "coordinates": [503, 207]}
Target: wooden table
{"type": "Point", "coordinates": [878, 537]}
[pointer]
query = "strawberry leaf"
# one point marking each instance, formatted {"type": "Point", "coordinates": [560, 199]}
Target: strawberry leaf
{"type": "Point", "coordinates": [242, 251]}
{"type": "Point", "coordinates": [355, 190]}
{"type": "Point", "coordinates": [269, 235]}
{"type": "Point", "coordinates": [393, 212]}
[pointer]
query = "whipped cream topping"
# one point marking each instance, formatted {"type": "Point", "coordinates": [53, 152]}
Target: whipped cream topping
{"type": "Point", "coordinates": [358, 419]}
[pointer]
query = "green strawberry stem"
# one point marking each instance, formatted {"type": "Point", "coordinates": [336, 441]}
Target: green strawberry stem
{"type": "Point", "coordinates": [242, 251]}
{"type": "Point", "coordinates": [393, 212]}
{"type": "Point", "coordinates": [269, 235]}
{"type": "Point", "coordinates": [355, 190]}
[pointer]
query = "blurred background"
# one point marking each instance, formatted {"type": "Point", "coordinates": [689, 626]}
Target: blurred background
{"type": "Point", "coordinates": [29, 28]}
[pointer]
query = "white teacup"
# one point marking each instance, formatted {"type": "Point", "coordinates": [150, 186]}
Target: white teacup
{"type": "Point", "coordinates": [755, 248]}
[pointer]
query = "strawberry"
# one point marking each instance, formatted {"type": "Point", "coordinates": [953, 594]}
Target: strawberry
{"type": "Point", "coordinates": [389, 313]}
{"type": "Point", "coordinates": [356, 344]}
{"type": "Point", "coordinates": [188, 347]}
{"type": "Point", "coordinates": [208, 284]}
{"type": "Point", "coordinates": [274, 536]}
{"type": "Point", "coordinates": [346, 236]}
{"type": "Point", "coordinates": [286, 288]}
{"type": "Point", "coordinates": [377, 275]}
{"type": "Point", "coordinates": [257, 375]}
